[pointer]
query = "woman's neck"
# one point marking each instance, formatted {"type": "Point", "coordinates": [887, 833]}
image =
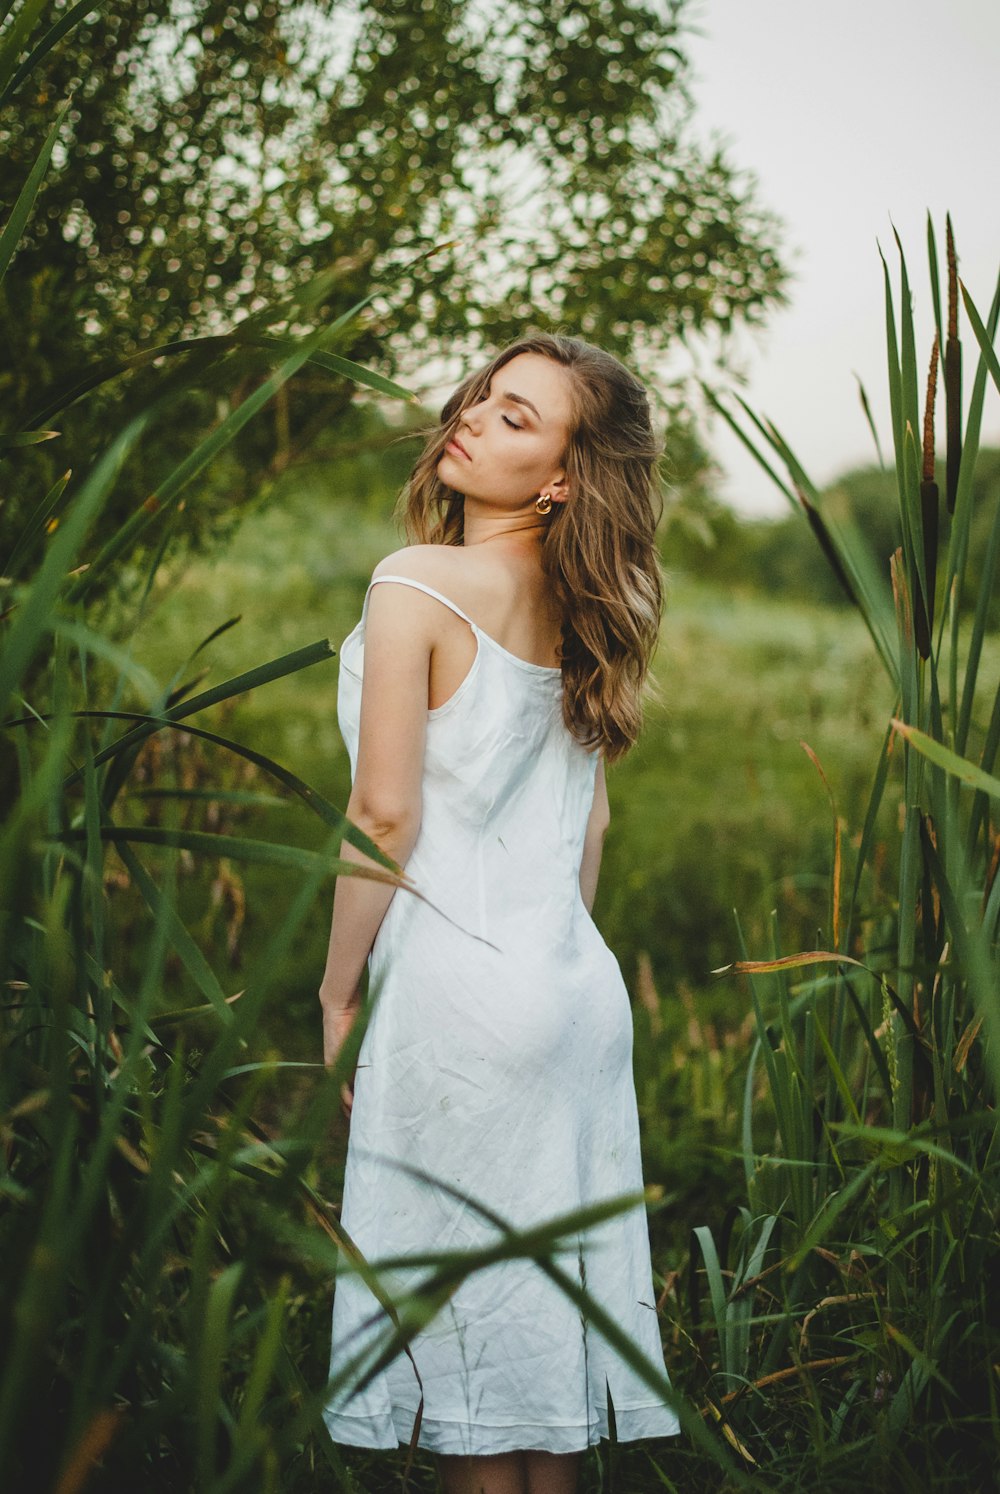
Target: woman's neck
{"type": "Point", "coordinates": [520, 533]}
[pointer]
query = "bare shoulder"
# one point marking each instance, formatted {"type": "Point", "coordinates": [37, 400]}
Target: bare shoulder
{"type": "Point", "coordinates": [416, 562]}
{"type": "Point", "coordinates": [462, 575]}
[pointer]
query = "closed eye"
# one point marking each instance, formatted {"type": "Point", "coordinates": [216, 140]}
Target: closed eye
{"type": "Point", "coordinates": [513, 424]}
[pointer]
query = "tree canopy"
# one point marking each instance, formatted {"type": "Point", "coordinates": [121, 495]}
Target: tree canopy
{"type": "Point", "coordinates": [484, 165]}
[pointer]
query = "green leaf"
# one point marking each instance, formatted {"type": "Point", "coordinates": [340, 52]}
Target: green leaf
{"type": "Point", "coordinates": [31, 621]}
{"type": "Point", "coordinates": [14, 227]}
{"type": "Point", "coordinates": [173, 486]}
{"type": "Point", "coordinates": [943, 757]}
{"type": "Point", "coordinates": [982, 337]}
{"type": "Point", "coordinates": [215, 1343]}
{"type": "Point", "coordinates": [54, 34]}
{"type": "Point", "coordinates": [27, 438]}
{"type": "Point", "coordinates": [163, 909]}
{"type": "Point", "coordinates": [36, 523]}
{"type": "Point", "coordinates": [750, 445]}
{"type": "Point", "coordinates": [12, 42]}
{"type": "Point", "coordinates": [206, 352]}
{"type": "Point", "coordinates": [833, 1206]}
{"type": "Point", "coordinates": [235, 848]}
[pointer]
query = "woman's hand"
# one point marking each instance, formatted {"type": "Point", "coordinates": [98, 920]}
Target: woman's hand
{"type": "Point", "coordinates": [337, 1024]}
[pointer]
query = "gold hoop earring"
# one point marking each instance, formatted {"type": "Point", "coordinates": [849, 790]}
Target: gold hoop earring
{"type": "Point", "coordinates": [543, 503]}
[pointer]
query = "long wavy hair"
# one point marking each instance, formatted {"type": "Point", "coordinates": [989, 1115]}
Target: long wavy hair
{"type": "Point", "coordinates": [599, 550]}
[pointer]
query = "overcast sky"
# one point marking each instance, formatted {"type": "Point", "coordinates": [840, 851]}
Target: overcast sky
{"type": "Point", "coordinates": [851, 115]}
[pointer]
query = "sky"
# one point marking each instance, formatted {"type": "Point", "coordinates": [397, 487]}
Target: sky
{"type": "Point", "coordinates": [853, 117]}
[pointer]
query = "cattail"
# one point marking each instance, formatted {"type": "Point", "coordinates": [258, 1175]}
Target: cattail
{"type": "Point", "coordinates": [826, 544]}
{"type": "Point", "coordinates": [952, 378]}
{"type": "Point", "coordinates": [929, 505]}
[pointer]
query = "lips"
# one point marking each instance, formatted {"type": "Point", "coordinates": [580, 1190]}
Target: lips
{"type": "Point", "coordinates": [455, 445]}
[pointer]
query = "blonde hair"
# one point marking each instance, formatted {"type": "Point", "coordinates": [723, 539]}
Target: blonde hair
{"type": "Point", "coordinates": [599, 550]}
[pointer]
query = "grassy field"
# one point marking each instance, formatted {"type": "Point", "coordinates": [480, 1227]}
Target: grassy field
{"type": "Point", "coordinates": [719, 815]}
{"type": "Point", "coordinates": [718, 808]}
{"type": "Point", "coordinates": [820, 1133]}
{"type": "Point", "coordinates": [722, 829]}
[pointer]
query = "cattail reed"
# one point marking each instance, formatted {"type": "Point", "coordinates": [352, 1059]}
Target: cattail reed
{"type": "Point", "coordinates": [929, 506]}
{"type": "Point", "coordinates": [819, 529]}
{"type": "Point", "coordinates": [952, 378]}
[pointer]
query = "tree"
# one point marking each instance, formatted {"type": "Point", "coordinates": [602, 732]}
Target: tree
{"type": "Point", "coordinates": [218, 154]}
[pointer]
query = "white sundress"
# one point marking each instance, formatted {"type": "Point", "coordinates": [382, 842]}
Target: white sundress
{"type": "Point", "coordinates": [502, 1066]}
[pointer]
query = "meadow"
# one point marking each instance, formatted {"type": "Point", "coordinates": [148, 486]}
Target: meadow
{"type": "Point", "coordinates": [801, 883]}
{"type": "Point", "coordinates": [765, 723]}
{"type": "Point", "coordinates": [718, 810]}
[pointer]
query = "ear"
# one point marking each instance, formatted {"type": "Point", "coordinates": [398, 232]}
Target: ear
{"type": "Point", "coordinates": [557, 488]}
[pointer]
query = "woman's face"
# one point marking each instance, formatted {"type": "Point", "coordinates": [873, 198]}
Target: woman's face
{"type": "Point", "coordinates": [510, 446]}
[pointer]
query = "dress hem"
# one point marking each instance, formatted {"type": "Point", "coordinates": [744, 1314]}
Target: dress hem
{"type": "Point", "coordinates": [632, 1424]}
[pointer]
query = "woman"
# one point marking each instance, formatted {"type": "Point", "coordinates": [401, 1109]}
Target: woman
{"type": "Point", "coordinates": [502, 663]}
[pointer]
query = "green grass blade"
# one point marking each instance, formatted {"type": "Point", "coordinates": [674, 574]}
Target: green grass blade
{"type": "Point", "coordinates": [89, 641]}
{"type": "Point", "coordinates": [251, 679]}
{"type": "Point", "coordinates": [943, 757]}
{"type": "Point", "coordinates": [31, 620]}
{"type": "Point", "coordinates": [12, 43]}
{"type": "Point", "coordinates": [181, 942]}
{"type": "Point", "coordinates": [870, 420]}
{"type": "Point", "coordinates": [206, 352]}
{"type": "Point", "coordinates": [219, 1305]}
{"type": "Point", "coordinates": [867, 836]}
{"type": "Point", "coordinates": [27, 438]}
{"type": "Point", "coordinates": [982, 336]}
{"type": "Point", "coordinates": [37, 523]}
{"type": "Point", "coordinates": [173, 486]}
{"type": "Point", "coordinates": [320, 806]}
{"type": "Point", "coordinates": [980, 626]}
{"type": "Point", "coordinates": [750, 445]}
{"type": "Point", "coordinates": [717, 1294]}
{"type": "Point", "coordinates": [908, 370]}
{"type": "Point", "coordinates": [54, 34]}
{"type": "Point", "coordinates": [958, 543]}
{"type": "Point", "coordinates": [235, 847]}
{"type": "Point", "coordinates": [896, 404]}
{"type": "Point", "coordinates": [932, 260]}
{"type": "Point", "coordinates": [14, 227]}
{"type": "Point", "coordinates": [347, 368]}
{"type": "Point", "coordinates": [833, 1206]}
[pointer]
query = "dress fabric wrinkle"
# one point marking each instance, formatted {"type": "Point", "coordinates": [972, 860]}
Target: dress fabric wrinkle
{"type": "Point", "coordinates": [498, 1061]}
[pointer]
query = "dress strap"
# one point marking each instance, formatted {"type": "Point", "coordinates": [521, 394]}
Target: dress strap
{"type": "Point", "coordinates": [409, 581]}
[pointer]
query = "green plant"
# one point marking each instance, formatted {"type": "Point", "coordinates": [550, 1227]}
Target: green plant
{"type": "Point", "coordinates": [861, 1269]}
{"type": "Point", "coordinates": [157, 1237]}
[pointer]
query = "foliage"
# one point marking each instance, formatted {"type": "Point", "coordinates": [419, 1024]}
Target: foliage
{"type": "Point", "coordinates": [167, 1236]}
{"type": "Point", "coordinates": [869, 1234]}
{"type": "Point", "coordinates": [158, 1241]}
{"type": "Point", "coordinates": [215, 156]}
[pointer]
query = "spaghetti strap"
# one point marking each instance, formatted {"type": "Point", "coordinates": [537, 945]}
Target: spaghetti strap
{"type": "Point", "coordinates": [420, 585]}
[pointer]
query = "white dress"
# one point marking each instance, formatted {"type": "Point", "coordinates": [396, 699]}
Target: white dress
{"type": "Point", "coordinates": [501, 1065]}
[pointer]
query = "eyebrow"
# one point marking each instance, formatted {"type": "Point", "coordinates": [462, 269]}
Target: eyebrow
{"type": "Point", "coordinates": [519, 399]}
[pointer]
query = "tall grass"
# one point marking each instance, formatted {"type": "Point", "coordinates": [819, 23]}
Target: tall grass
{"type": "Point", "coordinates": [849, 1304]}
{"type": "Point", "coordinates": [144, 1298]}
{"type": "Point", "coordinates": [157, 1238]}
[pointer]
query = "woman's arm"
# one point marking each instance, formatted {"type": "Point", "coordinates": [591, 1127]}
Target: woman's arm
{"type": "Point", "coordinates": [385, 798]}
{"type": "Point", "coordinates": [593, 844]}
